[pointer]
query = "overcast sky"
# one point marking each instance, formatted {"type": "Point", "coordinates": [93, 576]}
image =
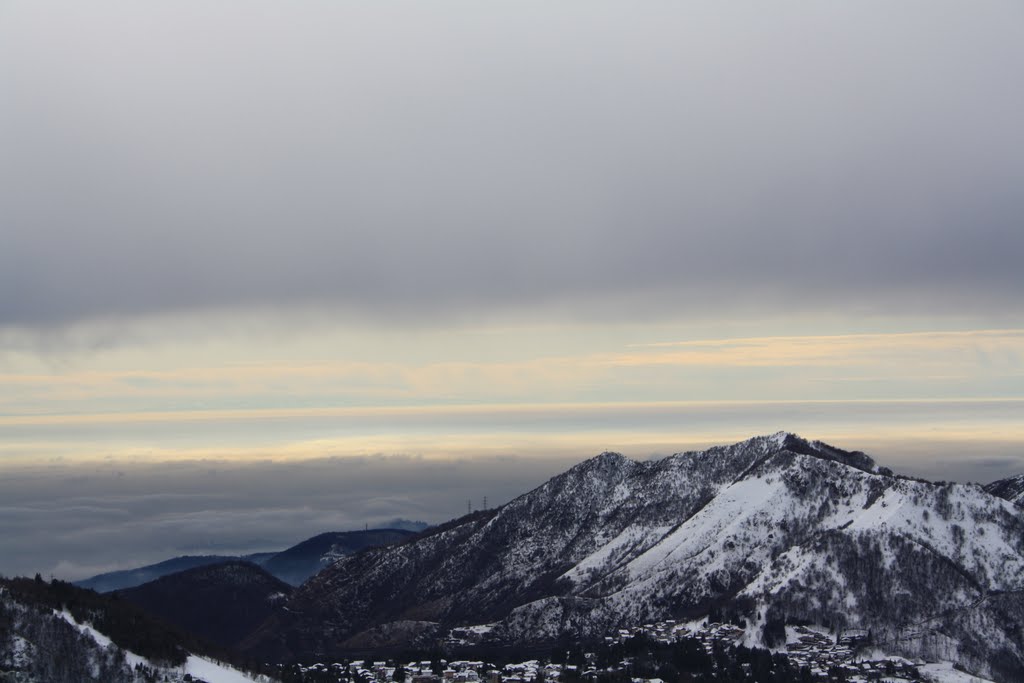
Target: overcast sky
{"type": "Point", "coordinates": [238, 232]}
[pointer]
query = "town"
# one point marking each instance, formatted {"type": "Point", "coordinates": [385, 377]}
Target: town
{"type": "Point", "coordinates": [652, 653]}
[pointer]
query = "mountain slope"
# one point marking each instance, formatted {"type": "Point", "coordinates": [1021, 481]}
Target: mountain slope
{"type": "Point", "coordinates": [1011, 489]}
{"type": "Point", "coordinates": [219, 603]}
{"type": "Point", "coordinates": [57, 633]}
{"type": "Point", "coordinates": [773, 529]}
{"type": "Point", "coordinates": [301, 561]}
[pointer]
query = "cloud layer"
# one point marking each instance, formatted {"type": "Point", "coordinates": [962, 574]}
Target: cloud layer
{"type": "Point", "coordinates": [408, 162]}
{"type": "Point", "coordinates": [100, 517]}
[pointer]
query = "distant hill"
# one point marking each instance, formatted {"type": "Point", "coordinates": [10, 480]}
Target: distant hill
{"type": "Point", "coordinates": [294, 565]}
{"type": "Point", "coordinates": [127, 578]}
{"type": "Point", "coordinates": [298, 563]}
{"type": "Point", "coordinates": [219, 603]}
{"type": "Point", "coordinates": [401, 523]}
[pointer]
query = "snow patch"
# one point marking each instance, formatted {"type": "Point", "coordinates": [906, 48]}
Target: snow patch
{"type": "Point", "coordinates": [943, 672]}
{"type": "Point", "coordinates": [199, 667]}
{"type": "Point", "coordinates": [103, 641]}
{"type": "Point", "coordinates": [214, 672]}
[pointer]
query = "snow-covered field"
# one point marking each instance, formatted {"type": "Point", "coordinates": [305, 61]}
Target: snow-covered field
{"type": "Point", "coordinates": [944, 672]}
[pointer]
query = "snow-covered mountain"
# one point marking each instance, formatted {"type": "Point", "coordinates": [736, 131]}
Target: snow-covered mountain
{"type": "Point", "coordinates": [772, 531]}
{"type": "Point", "coordinates": [1011, 488]}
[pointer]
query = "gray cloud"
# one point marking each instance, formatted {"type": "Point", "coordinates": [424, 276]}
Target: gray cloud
{"type": "Point", "coordinates": [450, 159]}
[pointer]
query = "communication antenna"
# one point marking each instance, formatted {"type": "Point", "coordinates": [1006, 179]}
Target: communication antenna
{"type": "Point", "coordinates": [485, 502]}
{"type": "Point", "coordinates": [468, 508]}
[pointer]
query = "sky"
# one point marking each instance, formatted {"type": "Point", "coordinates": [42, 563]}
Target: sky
{"type": "Point", "coordinates": [270, 269]}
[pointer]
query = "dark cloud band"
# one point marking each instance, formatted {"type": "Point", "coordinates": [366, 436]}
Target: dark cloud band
{"type": "Point", "coordinates": [443, 162]}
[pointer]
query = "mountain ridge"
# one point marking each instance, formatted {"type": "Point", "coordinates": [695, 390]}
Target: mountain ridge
{"type": "Point", "coordinates": [1010, 488]}
{"type": "Point", "coordinates": [129, 578]}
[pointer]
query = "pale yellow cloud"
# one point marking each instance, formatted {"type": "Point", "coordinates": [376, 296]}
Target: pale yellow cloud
{"type": "Point", "coordinates": [816, 366]}
{"type": "Point", "coordinates": [838, 422]}
{"type": "Point", "coordinates": [450, 410]}
{"type": "Point", "coordinates": [923, 348]}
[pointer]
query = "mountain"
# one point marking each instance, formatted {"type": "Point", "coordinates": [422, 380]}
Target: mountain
{"type": "Point", "coordinates": [769, 532]}
{"type": "Point", "coordinates": [1011, 489]}
{"type": "Point", "coordinates": [220, 603]}
{"type": "Point", "coordinates": [298, 563]}
{"type": "Point", "coordinates": [57, 633]}
{"type": "Point", "coordinates": [127, 578]}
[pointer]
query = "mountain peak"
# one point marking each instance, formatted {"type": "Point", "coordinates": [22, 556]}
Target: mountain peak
{"type": "Point", "coordinates": [611, 458]}
{"type": "Point", "coordinates": [794, 443]}
{"type": "Point", "coordinates": [781, 438]}
{"type": "Point", "coordinates": [608, 463]}
{"type": "Point", "coordinates": [743, 454]}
